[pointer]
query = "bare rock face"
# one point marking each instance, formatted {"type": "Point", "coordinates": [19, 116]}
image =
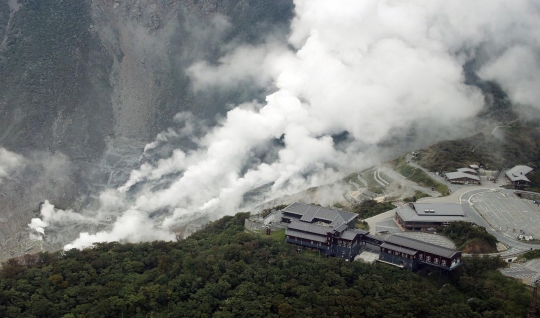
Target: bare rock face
{"type": "Point", "coordinates": [84, 85]}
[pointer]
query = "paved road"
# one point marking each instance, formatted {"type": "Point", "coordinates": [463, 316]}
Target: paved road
{"type": "Point", "coordinates": [515, 246]}
{"type": "Point", "coordinates": [453, 187]}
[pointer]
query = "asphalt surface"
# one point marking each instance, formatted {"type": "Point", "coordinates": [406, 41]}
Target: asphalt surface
{"type": "Point", "coordinates": [508, 213]}
{"type": "Point", "coordinates": [515, 246]}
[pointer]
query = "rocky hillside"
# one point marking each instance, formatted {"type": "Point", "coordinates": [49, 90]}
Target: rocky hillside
{"type": "Point", "coordinates": [84, 85]}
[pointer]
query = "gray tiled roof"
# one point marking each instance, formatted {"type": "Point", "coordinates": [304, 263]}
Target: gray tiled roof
{"type": "Point", "coordinates": [459, 175]}
{"type": "Point", "coordinates": [307, 236]}
{"type": "Point", "coordinates": [438, 209]}
{"type": "Point", "coordinates": [308, 213]}
{"type": "Point", "coordinates": [398, 248]}
{"type": "Point", "coordinates": [413, 244]}
{"type": "Point", "coordinates": [409, 215]}
{"type": "Point", "coordinates": [308, 227]}
{"type": "Point", "coordinates": [467, 170]}
{"type": "Point", "coordinates": [341, 227]}
{"type": "Point", "coordinates": [373, 237]}
{"type": "Point", "coordinates": [351, 234]}
{"type": "Point", "coordinates": [518, 173]}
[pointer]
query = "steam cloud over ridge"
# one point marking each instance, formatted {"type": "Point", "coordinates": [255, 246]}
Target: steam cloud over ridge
{"type": "Point", "coordinates": [368, 68]}
{"type": "Point", "coordinates": [9, 162]}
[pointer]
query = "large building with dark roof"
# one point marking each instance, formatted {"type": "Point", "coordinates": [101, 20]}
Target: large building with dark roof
{"type": "Point", "coordinates": [517, 176]}
{"type": "Point", "coordinates": [317, 214]}
{"type": "Point", "coordinates": [330, 231]}
{"type": "Point", "coordinates": [417, 216]}
{"type": "Point", "coordinates": [412, 254]}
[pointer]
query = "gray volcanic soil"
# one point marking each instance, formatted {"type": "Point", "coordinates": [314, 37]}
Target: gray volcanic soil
{"type": "Point", "coordinates": [84, 85]}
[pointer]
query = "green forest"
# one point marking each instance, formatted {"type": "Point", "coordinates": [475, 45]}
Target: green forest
{"type": "Point", "coordinates": [465, 233]}
{"type": "Point", "coordinates": [370, 208]}
{"type": "Point", "coordinates": [518, 144]}
{"type": "Point", "coordinates": [418, 176]}
{"type": "Point", "coordinates": [222, 271]}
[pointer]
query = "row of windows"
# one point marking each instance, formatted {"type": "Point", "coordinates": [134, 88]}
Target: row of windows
{"type": "Point", "coordinates": [435, 260]}
{"type": "Point", "coordinates": [421, 256]}
{"type": "Point", "coordinates": [422, 223]}
{"type": "Point", "coordinates": [347, 244]}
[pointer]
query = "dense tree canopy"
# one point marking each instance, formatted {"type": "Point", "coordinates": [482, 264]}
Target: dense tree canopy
{"type": "Point", "coordinates": [463, 233]}
{"type": "Point", "coordinates": [518, 144]}
{"type": "Point", "coordinates": [222, 271]}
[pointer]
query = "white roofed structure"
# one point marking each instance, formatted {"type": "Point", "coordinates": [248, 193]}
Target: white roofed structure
{"type": "Point", "coordinates": [517, 175]}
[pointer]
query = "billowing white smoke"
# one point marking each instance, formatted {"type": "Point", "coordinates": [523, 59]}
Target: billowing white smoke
{"type": "Point", "coordinates": [365, 67]}
{"type": "Point", "coordinates": [9, 162]}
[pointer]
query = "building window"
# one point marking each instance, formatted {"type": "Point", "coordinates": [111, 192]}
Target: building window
{"type": "Point", "coordinates": [443, 262]}
{"type": "Point", "coordinates": [421, 256]}
{"type": "Point", "coordinates": [436, 260]}
{"type": "Point", "coordinates": [428, 259]}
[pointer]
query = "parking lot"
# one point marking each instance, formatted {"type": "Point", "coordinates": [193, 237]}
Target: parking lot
{"type": "Point", "coordinates": [508, 214]}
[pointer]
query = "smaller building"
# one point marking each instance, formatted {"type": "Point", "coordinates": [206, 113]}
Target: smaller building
{"type": "Point", "coordinates": [412, 254]}
{"type": "Point", "coordinates": [475, 167]}
{"type": "Point", "coordinates": [462, 178]}
{"type": "Point", "coordinates": [468, 171]}
{"type": "Point", "coordinates": [517, 176]}
{"type": "Point", "coordinates": [417, 216]}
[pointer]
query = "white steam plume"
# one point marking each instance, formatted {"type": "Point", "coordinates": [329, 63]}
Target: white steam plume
{"type": "Point", "coordinates": [9, 162]}
{"type": "Point", "coordinates": [363, 67]}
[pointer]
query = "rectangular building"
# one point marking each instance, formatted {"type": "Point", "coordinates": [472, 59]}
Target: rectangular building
{"type": "Point", "coordinates": [330, 231]}
{"type": "Point", "coordinates": [417, 216]}
{"type": "Point", "coordinates": [412, 254]}
{"type": "Point", "coordinates": [517, 176]}
{"type": "Point", "coordinates": [462, 177]}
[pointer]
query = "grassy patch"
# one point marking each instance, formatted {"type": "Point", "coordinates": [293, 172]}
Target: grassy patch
{"type": "Point", "coordinates": [520, 144]}
{"type": "Point", "coordinates": [353, 177]}
{"type": "Point", "coordinates": [530, 255]}
{"type": "Point", "coordinates": [417, 195]}
{"type": "Point", "coordinates": [373, 185]}
{"type": "Point", "coordinates": [361, 225]}
{"type": "Point", "coordinates": [278, 235]}
{"type": "Point", "coordinates": [419, 176]}
{"type": "Point", "coordinates": [371, 208]}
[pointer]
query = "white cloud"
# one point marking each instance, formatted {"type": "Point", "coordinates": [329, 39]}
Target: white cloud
{"type": "Point", "coordinates": [132, 226]}
{"type": "Point", "coordinates": [368, 68]}
{"type": "Point", "coordinates": [518, 72]}
{"type": "Point", "coordinates": [9, 162]}
{"type": "Point", "coordinates": [246, 64]}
